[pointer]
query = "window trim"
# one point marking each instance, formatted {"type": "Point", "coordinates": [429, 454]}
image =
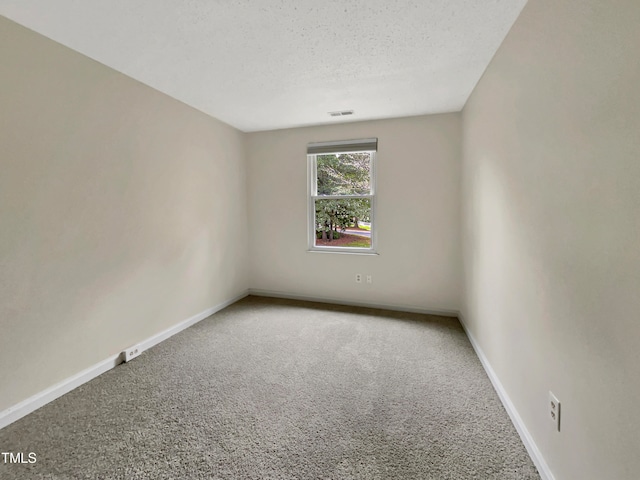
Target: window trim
{"type": "Point", "coordinates": [312, 196]}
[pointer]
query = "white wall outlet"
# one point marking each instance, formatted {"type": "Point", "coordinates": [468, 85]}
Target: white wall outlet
{"type": "Point", "coordinates": [553, 408]}
{"type": "Point", "coordinates": [369, 278]}
{"type": "Point", "coordinates": [132, 352]}
{"type": "Point", "coordinates": [358, 278]}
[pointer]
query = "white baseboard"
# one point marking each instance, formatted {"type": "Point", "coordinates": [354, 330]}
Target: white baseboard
{"type": "Point", "coordinates": [169, 332]}
{"type": "Point", "coordinates": [337, 301]}
{"type": "Point", "coordinates": [40, 399]}
{"type": "Point", "coordinates": [525, 436]}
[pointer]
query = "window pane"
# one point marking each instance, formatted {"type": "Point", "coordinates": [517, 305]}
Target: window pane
{"type": "Point", "coordinates": [344, 174]}
{"type": "Point", "coordinates": [343, 223]}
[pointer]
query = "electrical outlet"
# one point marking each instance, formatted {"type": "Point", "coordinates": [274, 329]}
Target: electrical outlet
{"type": "Point", "coordinates": [369, 279]}
{"type": "Point", "coordinates": [358, 278]}
{"type": "Point", "coordinates": [132, 352]}
{"type": "Point", "coordinates": [554, 410]}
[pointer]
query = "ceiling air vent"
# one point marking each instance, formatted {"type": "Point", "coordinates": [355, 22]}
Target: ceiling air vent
{"type": "Point", "coordinates": [341, 113]}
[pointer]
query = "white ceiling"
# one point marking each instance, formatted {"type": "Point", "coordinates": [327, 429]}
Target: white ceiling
{"type": "Point", "coordinates": [268, 64]}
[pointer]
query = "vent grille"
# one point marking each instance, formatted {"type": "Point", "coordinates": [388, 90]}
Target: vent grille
{"type": "Point", "coordinates": [341, 113]}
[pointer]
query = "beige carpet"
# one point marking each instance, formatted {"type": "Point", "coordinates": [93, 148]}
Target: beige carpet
{"type": "Point", "coordinates": [277, 389]}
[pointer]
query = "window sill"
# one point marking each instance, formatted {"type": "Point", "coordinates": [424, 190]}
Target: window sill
{"type": "Point", "coordinates": [343, 252]}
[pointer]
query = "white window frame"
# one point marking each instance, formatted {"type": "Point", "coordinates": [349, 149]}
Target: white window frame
{"type": "Point", "coordinates": [313, 196]}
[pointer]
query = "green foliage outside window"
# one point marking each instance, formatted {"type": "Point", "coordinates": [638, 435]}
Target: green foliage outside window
{"type": "Point", "coordinates": [344, 174]}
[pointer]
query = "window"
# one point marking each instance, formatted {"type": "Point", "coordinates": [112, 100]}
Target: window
{"type": "Point", "coordinates": [342, 196]}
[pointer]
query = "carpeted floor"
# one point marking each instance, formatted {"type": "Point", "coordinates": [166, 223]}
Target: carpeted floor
{"type": "Point", "coordinates": [279, 389]}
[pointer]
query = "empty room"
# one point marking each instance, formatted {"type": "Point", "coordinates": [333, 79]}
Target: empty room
{"type": "Point", "coordinates": [347, 239]}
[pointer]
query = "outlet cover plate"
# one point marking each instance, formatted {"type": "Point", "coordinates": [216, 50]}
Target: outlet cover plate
{"type": "Point", "coordinates": [554, 410]}
{"type": "Point", "coordinates": [132, 352]}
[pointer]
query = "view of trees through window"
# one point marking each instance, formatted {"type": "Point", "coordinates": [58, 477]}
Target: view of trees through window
{"type": "Point", "coordinates": [346, 221]}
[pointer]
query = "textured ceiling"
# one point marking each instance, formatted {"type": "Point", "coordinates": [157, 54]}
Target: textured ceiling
{"type": "Point", "coordinates": [267, 64]}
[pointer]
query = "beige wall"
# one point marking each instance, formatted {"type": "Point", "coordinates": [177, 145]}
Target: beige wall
{"type": "Point", "coordinates": [418, 166]}
{"type": "Point", "coordinates": [551, 202]}
{"type": "Point", "coordinates": [122, 213]}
